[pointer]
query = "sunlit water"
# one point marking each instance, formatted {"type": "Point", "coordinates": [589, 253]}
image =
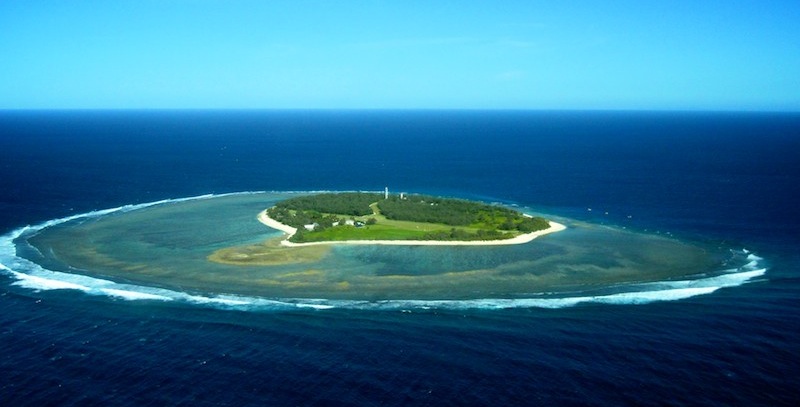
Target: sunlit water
{"type": "Point", "coordinates": [100, 327]}
{"type": "Point", "coordinates": [159, 251]}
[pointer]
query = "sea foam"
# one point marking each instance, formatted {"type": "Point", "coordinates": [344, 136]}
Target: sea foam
{"type": "Point", "coordinates": [30, 275]}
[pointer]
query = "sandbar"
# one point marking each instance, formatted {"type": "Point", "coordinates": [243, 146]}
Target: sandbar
{"type": "Point", "coordinates": [266, 220]}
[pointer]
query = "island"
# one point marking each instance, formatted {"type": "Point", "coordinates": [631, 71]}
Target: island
{"type": "Point", "coordinates": [401, 219]}
{"type": "Point", "coordinates": [216, 245]}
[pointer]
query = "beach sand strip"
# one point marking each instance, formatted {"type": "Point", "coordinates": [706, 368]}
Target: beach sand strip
{"type": "Point", "coordinates": [266, 220]}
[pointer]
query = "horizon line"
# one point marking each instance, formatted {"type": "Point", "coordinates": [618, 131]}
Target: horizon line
{"type": "Point", "coordinates": [402, 109]}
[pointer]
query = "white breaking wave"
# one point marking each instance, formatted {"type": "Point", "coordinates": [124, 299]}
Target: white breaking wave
{"type": "Point", "coordinates": [32, 276]}
{"type": "Point", "coordinates": [133, 295]}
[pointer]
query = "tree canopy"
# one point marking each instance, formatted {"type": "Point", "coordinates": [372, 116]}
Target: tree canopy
{"type": "Point", "coordinates": [344, 203]}
{"type": "Point", "coordinates": [458, 219]}
{"type": "Point", "coordinates": [458, 212]}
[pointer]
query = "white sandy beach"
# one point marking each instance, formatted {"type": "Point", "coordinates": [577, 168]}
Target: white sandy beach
{"type": "Point", "coordinates": [266, 220]}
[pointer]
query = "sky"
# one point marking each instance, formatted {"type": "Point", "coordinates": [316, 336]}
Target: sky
{"type": "Point", "coordinates": [343, 54]}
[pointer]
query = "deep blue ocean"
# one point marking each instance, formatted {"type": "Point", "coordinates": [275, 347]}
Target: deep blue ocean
{"type": "Point", "coordinates": [731, 178]}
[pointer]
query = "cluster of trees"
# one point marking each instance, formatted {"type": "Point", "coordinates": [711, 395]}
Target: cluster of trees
{"type": "Point", "coordinates": [300, 218]}
{"type": "Point", "coordinates": [457, 212]}
{"type": "Point", "coordinates": [333, 209]}
{"type": "Point", "coordinates": [528, 225]}
{"type": "Point", "coordinates": [346, 203]}
{"type": "Point", "coordinates": [419, 208]}
{"type": "Point", "coordinates": [461, 235]}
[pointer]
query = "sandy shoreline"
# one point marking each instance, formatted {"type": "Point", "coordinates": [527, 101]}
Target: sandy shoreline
{"type": "Point", "coordinates": [266, 220]}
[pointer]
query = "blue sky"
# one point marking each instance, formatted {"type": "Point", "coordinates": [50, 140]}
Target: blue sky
{"type": "Point", "coordinates": [682, 55]}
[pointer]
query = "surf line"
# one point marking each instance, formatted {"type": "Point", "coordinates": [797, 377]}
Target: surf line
{"type": "Point", "coordinates": [35, 277]}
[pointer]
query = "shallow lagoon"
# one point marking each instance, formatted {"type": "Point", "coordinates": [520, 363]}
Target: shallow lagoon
{"type": "Point", "coordinates": [168, 246]}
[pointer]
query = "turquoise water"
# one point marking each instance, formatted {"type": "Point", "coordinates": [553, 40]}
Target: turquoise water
{"type": "Point", "coordinates": [166, 246]}
{"type": "Point", "coordinates": [722, 331]}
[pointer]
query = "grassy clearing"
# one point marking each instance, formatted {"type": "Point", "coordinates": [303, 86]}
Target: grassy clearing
{"type": "Point", "coordinates": [372, 232]}
{"type": "Point", "coordinates": [384, 229]}
{"type": "Point", "coordinates": [416, 218]}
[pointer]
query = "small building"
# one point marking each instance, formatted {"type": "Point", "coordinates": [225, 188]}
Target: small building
{"type": "Point", "coordinates": [311, 226]}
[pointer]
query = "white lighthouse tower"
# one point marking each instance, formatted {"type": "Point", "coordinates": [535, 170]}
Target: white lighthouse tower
{"type": "Point", "coordinates": [386, 193]}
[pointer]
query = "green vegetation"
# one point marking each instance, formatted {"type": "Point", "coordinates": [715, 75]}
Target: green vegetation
{"type": "Point", "coordinates": [368, 216]}
{"type": "Point", "coordinates": [458, 212]}
{"type": "Point", "coordinates": [345, 203]}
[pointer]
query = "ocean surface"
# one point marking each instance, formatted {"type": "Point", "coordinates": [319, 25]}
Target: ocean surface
{"type": "Point", "coordinates": [727, 182]}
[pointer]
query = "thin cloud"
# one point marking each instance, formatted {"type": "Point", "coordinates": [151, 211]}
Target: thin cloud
{"type": "Point", "coordinates": [513, 43]}
{"type": "Point", "coordinates": [512, 75]}
{"type": "Point", "coordinates": [414, 42]}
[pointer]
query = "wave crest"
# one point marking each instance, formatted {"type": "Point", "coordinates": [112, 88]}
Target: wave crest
{"type": "Point", "coordinates": [30, 275]}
